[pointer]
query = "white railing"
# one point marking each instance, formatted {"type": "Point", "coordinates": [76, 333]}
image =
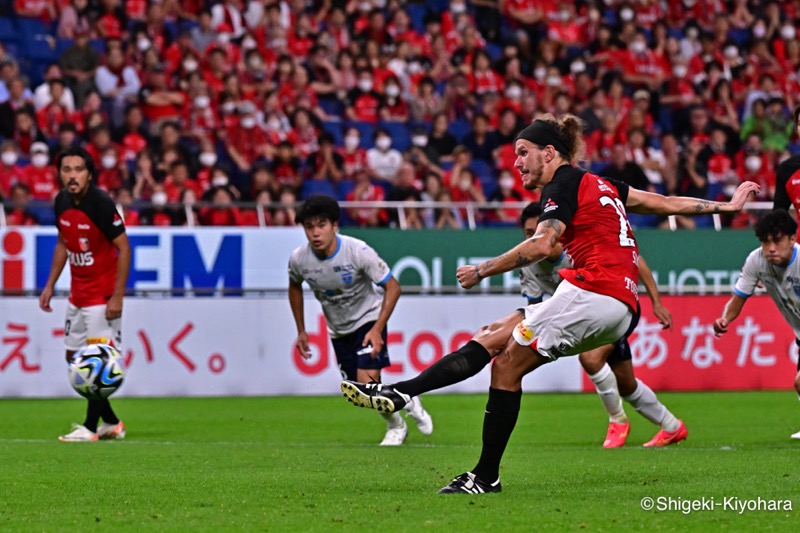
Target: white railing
{"type": "Point", "coordinates": [471, 209]}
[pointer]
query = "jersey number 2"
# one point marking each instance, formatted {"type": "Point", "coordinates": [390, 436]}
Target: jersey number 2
{"type": "Point", "coordinates": [625, 239]}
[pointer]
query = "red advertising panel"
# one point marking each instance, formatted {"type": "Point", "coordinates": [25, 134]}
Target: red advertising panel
{"type": "Point", "coordinates": [757, 353]}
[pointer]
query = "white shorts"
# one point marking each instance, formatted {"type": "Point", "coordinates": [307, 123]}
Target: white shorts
{"type": "Point", "coordinates": [573, 321]}
{"type": "Point", "coordinates": [88, 325]}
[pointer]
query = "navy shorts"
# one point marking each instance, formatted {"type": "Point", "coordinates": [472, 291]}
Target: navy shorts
{"type": "Point", "coordinates": [620, 353]}
{"type": "Point", "coordinates": [349, 361]}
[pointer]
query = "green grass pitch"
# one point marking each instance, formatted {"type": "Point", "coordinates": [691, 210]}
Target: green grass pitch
{"type": "Point", "coordinates": [313, 464]}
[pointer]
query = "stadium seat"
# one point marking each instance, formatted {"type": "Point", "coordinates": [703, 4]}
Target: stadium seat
{"type": "Point", "coordinates": [41, 48]}
{"type": "Point", "coordinates": [317, 187]}
{"type": "Point", "coordinates": [335, 129]}
{"type": "Point", "coordinates": [367, 131]}
{"type": "Point", "coordinates": [401, 138]}
{"type": "Point", "coordinates": [32, 26]}
{"type": "Point", "coordinates": [482, 169]}
{"type": "Point", "coordinates": [417, 13]}
{"type": "Point", "coordinates": [459, 129]}
{"type": "Point", "coordinates": [494, 51]}
{"type": "Point", "coordinates": [642, 221]}
{"type": "Point", "coordinates": [345, 186]}
{"type": "Point", "coordinates": [332, 106]}
{"type": "Point", "coordinates": [8, 32]}
{"type": "Point", "coordinates": [99, 45]}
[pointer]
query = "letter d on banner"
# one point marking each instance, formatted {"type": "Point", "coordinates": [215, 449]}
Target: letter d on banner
{"type": "Point", "coordinates": [318, 342]}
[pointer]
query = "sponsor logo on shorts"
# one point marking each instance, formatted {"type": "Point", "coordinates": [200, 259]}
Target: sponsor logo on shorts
{"type": "Point", "coordinates": [524, 332]}
{"type": "Point", "coordinates": [98, 340]}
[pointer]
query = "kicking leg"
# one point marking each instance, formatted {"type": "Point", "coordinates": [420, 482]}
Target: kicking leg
{"type": "Point", "coordinates": [452, 368]}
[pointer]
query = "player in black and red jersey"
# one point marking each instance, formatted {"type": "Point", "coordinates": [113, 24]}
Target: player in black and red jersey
{"type": "Point", "coordinates": [91, 235]}
{"type": "Point", "coordinates": [595, 305]}
{"type": "Point", "coordinates": [787, 178]}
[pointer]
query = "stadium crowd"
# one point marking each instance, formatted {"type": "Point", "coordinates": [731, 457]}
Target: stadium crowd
{"type": "Point", "coordinates": [234, 103]}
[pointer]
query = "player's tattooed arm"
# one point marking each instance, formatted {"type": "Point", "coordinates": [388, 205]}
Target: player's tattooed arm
{"type": "Point", "coordinates": [532, 250]}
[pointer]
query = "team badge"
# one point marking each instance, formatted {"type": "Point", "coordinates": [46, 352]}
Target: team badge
{"type": "Point", "coordinates": [83, 244]}
{"type": "Point", "coordinates": [524, 332]}
{"type": "Point", "coordinates": [347, 278]}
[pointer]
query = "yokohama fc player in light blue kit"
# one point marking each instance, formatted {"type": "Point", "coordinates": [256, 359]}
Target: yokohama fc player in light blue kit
{"type": "Point", "coordinates": [775, 264]}
{"type": "Point", "coordinates": [358, 294]}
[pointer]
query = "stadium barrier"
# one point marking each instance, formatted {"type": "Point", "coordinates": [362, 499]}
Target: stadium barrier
{"type": "Point", "coordinates": [244, 347]}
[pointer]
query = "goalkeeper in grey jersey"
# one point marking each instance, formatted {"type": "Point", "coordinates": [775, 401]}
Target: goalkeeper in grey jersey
{"type": "Point", "coordinates": [358, 294]}
{"type": "Point", "coordinates": [609, 367]}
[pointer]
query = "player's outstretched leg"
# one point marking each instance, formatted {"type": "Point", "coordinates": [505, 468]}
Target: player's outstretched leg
{"type": "Point", "coordinates": [452, 368]}
{"type": "Point", "coordinates": [469, 483]}
{"type": "Point", "coordinates": [378, 396]}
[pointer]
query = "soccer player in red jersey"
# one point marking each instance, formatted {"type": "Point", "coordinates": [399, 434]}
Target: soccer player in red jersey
{"type": "Point", "coordinates": [596, 303]}
{"type": "Point", "coordinates": [91, 235]}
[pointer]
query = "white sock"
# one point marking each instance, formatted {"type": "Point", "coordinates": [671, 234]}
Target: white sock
{"type": "Point", "coordinates": [413, 408]}
{"type": "Point", "coordinates": [606, 384]}
{"type": "Point", "coordinates": [645, 402]}
{"type": "Point", "coordinates": [393, 420]}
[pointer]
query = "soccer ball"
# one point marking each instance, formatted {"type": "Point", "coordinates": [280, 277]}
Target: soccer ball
{"type": "Point", "coordinates": [96, 371]}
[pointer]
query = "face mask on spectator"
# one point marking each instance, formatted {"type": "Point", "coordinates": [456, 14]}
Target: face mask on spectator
{"type": "Point", "coordinates": [383, 143]}
{"type": "Point", "coordinates": [759, 31]}
{"type": "Point", "coordinates": [577, 67]}
{"type": "Point", "coordinates": [464, 184]}
{"type": "Point", "coordinates": [228, 107]}
{"type": "Point", "coordinates": [379, 3]}
{"type": "Point", "coordinates": [223, 38]}
{"type": "Point", "coordinates": [143, 44]}
{"type": "Point", "coordinates": [351, 142]}
{"type": "Point", "coordinates": [207, 159]}
{"type": "Point", "coordinates": [248, 43]}
{"type": "Point", "coordinates": [692, 33]}
{"type": "Point", "coordinates": [788, 32]}
{"type": "Point", "coordinates": [392, 91]}
{"type": "Point", "coordinates": [9, 158]}
{"type": "Point", "coordinates": [679, 70]}
{"type": "Point", "coordinates": [109, 161]}
{"type": "Point", "coordinates": [414, 68]}
{"type": "Point", "coordinates": [506, 182]}
{"type": "Point", "coordinates": [689, 3]}
{"type": "Point", "coordinates": [637, 47]}
{"type": "Point", "coordinates": [219, 181]}
{"type": "Point", "coordinates": [190, 65]}
{"type": "Point", "coordinates": [159, 198]}
{"type": "Point", "coordinates": [254, 63]}
{"type": "Point", "coordinates": [365, 85]}
{"type": "Point", "coordinates": [753, 163]}
{"type": "Point", "coordinates": [554, 81]}
{"type": "Point", "coordinates": [514, 92]}
{"type": "Point", "coordinates": [248, 123]}
{"type": "Point", "coordinates": [457, 9]}
{"type": "Point", "coordinates": [626, 14]}
{"type": "Point", "coordinates": [365, 6]}
{"type": "Point", "coordinates": [40, 160]}
{"type": "Point", "coordinates": [202, 101]}
{"type": "Point", "coordinates": [594, 15]}
{"type": "Point", "coordinates": [539, 73]}
{"type": "Point", "coordinates": [731, 52]}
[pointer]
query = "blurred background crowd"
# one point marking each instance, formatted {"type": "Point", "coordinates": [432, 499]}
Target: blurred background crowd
{"type": "Point", "coordinates": [225, 105]}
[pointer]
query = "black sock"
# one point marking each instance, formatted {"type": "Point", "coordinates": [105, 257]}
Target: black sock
{"type": "Point", "coordinates": [452, 368]}
{"type": "Point", "coordinates": [92, 415]}
{"type": "Point", "coordinates": [502, 410]}
{"type": "Point", "coordinates": [107, 413]}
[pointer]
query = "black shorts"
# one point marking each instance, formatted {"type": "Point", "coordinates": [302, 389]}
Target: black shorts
{"type": "Point", "coordinates": [620, 353]}
{"type": "Point", "coordinates": [349, 361]}
{"type": "Point", "coordinates": [797, 342]}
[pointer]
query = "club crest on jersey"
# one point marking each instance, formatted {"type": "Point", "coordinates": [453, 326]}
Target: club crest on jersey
{"type": "Point", "coordinates": [549, 205]}
{"type": "Point", "coordinates": [347, 278]}
{"type": "Point", "coordinates": [83, 244]}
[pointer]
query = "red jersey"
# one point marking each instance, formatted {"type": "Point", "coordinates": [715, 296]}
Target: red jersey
{"type": "Point", "coordinates": [42, 182]}
{"type": "Point", "coordinates": [598, 237]}
{"type": "Point", "coordinates": [787, 187]}
{"type": "Point", "coordinates": [88, 230]}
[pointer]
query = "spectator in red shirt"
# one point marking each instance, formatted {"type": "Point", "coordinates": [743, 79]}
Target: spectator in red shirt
{"type": "Point", "coordinates": [124, 199]}
{"type": "Point", "coordinates": [50, 117]}
{"type": "Point", "coordinates": [112, 171]}
{"type": "Point", "coordinates": [40, 175]}
{"type": "Point", "coordinates": [326, 163]}
{"type": "Point", "coordinates": [158, 214]}
{"type": "Point", "coordinates": [366, 191]}
{"type": "Point", "coordinates": [179, 180]}
{"type": "Point", "coordinates": [18, 213]}
{"type": "Point", "coordinates": [304, 133]}
{"type": "Point", "coordinates": [10, 170]}
{"type": "Point", "coordinates": [247, 141]}
{"type": "Point", "coordinates": [394, 107]}
{"type": "Point", "coordinates": [223, 212]}
{"type": "Point", "coordinates": [363, 102]}
{"type": "Point", "coordinates": [286, 166]}
{"type": "Point", "coordinates": [159, 102]}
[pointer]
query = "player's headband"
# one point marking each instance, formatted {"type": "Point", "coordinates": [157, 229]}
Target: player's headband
{"type": "Point", "coordinates": [544, 133]}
